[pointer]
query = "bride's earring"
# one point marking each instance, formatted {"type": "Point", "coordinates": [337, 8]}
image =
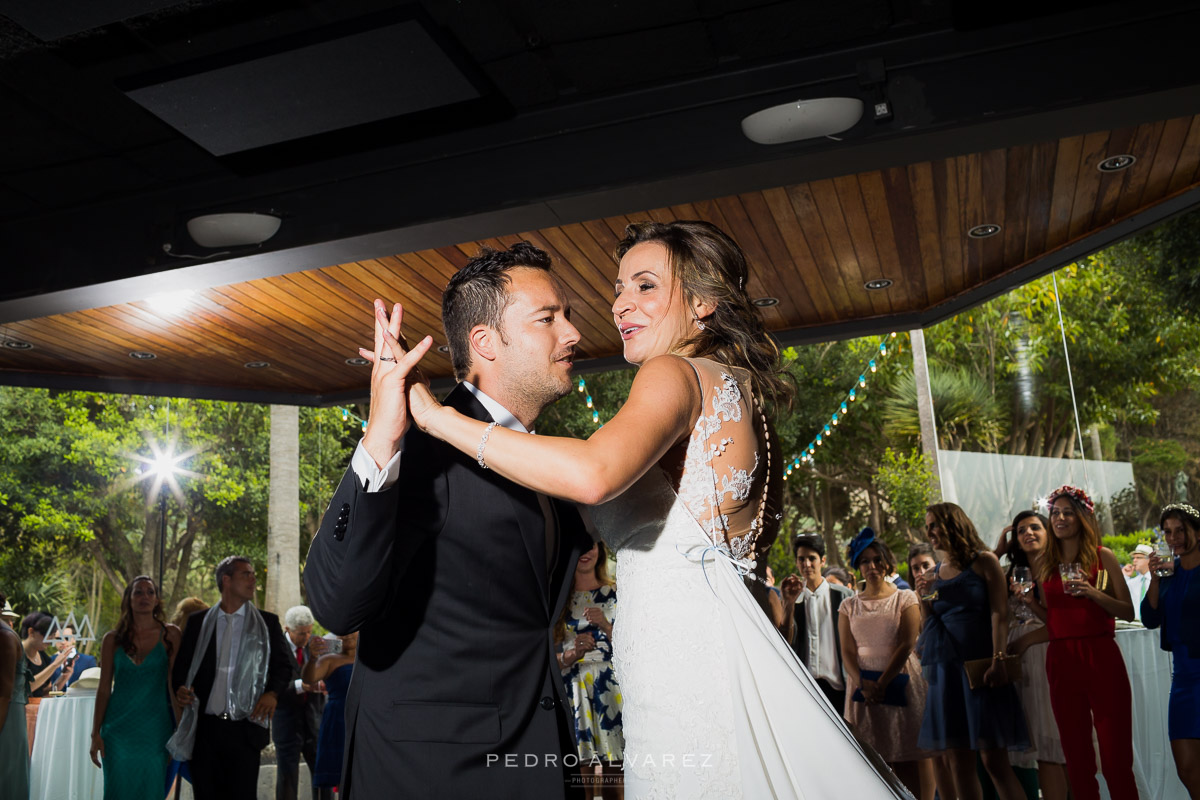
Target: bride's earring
{"type": "Point", "coordinates": [699, 323]}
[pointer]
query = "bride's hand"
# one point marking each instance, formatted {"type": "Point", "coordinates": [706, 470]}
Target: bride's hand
{"type": "Point", "coordinates": [393, 374]}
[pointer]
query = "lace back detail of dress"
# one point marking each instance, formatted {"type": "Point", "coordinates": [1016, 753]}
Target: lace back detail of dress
{"type": "Point", "coordinates": [720, 471]}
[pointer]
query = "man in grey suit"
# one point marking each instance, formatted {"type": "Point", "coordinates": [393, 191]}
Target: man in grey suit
{"type": "Point", "coordinates": [453, 576]}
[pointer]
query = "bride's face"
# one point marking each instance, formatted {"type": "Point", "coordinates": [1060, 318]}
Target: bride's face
{"type": "Point", "coordinates": [649, 310]}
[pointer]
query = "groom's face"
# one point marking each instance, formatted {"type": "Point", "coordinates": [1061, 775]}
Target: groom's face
{"type": "Point", "coordinates": [536, 361]}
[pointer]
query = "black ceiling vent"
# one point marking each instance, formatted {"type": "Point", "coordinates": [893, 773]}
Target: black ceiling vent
{"type": "Point", "coordinates": [347, 87]}
{"type": "Point", "coordinates": [54, 20]}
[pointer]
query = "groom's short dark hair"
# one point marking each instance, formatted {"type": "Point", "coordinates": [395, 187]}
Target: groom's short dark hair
{"type": "Point", "coordinates": [478, 294]}
{"type": "Point", "coordinates": [226, 567]}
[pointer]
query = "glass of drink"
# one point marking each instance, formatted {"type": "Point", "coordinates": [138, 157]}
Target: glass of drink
{"type": "Point", "coordinates": [1163, 550]}
{"type": "Point", "coordinates": [1071, 572]}
{"type": "Point", "coordinates": [1023, 578]}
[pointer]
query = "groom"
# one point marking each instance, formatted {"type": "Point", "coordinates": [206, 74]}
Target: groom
{"type": "Point", "coordinates": [454, 576]}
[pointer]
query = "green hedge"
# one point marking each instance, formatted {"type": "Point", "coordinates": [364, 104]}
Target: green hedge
{"type": "Point", "coordinates": [1123, 545]}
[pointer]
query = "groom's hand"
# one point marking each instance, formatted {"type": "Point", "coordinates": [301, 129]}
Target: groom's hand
{"type": "Point", "coordinates": [390, 379]}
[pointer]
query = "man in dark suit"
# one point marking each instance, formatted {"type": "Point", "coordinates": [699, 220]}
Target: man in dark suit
{"type": "Point", "coordinates": [810, 618]}
{"type": "Point", "coordinates": [297, 720]}
{"type": "Point", "coordinates": [228, 742]}
{"type": "Point", "coordinates": [454, 576]}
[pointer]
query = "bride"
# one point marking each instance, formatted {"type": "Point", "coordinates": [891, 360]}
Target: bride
{"type": "Point", "coordinates": [685, 484]}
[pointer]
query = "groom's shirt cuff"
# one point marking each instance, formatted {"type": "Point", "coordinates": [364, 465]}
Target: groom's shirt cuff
{"type": "Point", "coordinates": [373, 478]}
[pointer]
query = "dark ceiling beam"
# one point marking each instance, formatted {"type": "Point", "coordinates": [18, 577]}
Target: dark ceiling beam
{"type": "Point", "coordinates": [1031, 86]}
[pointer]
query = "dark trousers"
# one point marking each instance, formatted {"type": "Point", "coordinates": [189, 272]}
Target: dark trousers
{"type": "Point", "coordinates": [225, 759]}
{"type": "Point", "coordinates": [294, 735]}
{"type": "Point", "coordinates": [837, 697]}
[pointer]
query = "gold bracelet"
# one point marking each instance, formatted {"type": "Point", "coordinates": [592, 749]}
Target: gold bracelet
{"type": "Point", "coordinates": [999, 656]}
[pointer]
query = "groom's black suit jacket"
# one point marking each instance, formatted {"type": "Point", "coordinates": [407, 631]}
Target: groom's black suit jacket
{"type": "Point", "coordinates": [444, 575]}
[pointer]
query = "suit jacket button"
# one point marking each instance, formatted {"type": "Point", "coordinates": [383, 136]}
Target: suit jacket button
{"type": "Point", "coordinates": [547, 703]}
{"type": "Point", "coordinates": [345, 509]}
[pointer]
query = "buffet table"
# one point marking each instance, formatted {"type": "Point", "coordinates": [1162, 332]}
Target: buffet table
{"type": "Point", "coordinates": [1149, 669]}
{"type": "Point", "coordinates": [61, 768]}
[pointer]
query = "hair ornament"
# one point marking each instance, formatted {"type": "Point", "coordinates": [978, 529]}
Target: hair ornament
{"type": "Point", "coordinates": [864, 539]}
{"type": "Point", "coordinates": [1185, 508]}
{"type": "Point", "coordinates": [1075, 493]}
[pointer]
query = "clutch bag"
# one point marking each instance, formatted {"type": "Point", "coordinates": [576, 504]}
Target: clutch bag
{"type": "Point", "coordinates": [977, 667]}
{"type": "Point", "coordinates": [894, 695]}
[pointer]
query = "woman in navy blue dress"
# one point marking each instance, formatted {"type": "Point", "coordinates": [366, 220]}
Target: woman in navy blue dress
{"type": "Point", "coordinates": [965, 604]}
{"type": "Point", "coordinates": [1173, 603]}
{"type": "Point", "coordinates": [335, 669]}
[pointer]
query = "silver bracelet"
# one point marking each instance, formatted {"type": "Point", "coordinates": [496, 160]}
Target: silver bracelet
{"type": "Point", "coordinates": [482, 444]}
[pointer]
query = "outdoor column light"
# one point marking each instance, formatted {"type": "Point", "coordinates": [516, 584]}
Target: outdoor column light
{"type": "Point", "coordinates": [163, 465]}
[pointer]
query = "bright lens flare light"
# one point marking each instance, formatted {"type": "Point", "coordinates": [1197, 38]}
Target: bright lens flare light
{"type": "Point", "coordinates": [163, 466]}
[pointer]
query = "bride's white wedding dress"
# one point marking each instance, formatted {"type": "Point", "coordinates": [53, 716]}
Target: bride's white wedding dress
{"type": "Point", "coordinates": [715, 703]}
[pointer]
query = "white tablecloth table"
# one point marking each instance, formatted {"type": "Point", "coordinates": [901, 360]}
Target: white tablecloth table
{"type": "Point", "coordinates": [1149, 670]}
{"type": "Point", "coordinates": [61, 768]}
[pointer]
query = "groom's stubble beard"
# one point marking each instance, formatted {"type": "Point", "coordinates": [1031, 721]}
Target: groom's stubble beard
{"type": "Point", "coordinates": [535, 388]}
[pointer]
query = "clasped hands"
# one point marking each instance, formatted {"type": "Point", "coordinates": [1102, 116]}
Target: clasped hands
{"type": "Point", "coordinates": [399, 394]}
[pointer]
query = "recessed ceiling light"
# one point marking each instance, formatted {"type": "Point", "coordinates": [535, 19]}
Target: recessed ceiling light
{"type": "Point", "coordinates": [1116, 163]}
{"type": "Point", "coordinates": [171, 302]}
{"type": "Point", "coordinates": [142, 355]}
{"type": "Point", "coordinates": [17, 344]}
{"type": "Point", "coordinates": [444, 348]}
{"type": "Point", "coordinates": [358, 362]}
{"type": "Point", "coordinates": [256, 364]}
{"type": "Point", "coordinates": [983, 231]}
{"type": "Point", "coordinates": [765, 302]}
{"type": "Point", "coordinates": [878, 283]}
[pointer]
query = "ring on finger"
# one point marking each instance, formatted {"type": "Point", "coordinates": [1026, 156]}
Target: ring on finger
{"type": "Point", "coordinates": [387, 358]}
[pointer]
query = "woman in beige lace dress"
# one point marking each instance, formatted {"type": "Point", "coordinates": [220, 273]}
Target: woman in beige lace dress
{"type": "Point", "coordinates": [886, 693]}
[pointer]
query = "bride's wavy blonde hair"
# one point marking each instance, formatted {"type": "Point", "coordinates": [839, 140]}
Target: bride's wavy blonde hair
{"type": "Point", "coordinates": [708, 265]}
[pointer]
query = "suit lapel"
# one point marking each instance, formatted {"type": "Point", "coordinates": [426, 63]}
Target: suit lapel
{"type": "Point", "coordinates": [524, 503]}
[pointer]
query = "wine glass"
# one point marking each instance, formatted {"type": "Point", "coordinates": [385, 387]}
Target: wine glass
{"type": "Point", "coordinates": [1023, 578]}
{"type": "Point", "coordinates": [1163, 550]}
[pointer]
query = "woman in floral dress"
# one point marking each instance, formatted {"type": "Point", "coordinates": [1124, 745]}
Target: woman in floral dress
{"type": "Point", "coordinates": [587, 668]}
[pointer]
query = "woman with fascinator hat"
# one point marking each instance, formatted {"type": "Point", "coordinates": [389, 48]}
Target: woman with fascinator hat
{"type": "Point", "coordinates": [878, 630]}
{"type": "Point", "coordinates": [1087, 676]}
{"type": "Point", "coordinates": [1173, 603]}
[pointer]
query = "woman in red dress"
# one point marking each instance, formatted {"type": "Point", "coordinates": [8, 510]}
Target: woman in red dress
{"type": "Point", "coordinates": [1087, 676]}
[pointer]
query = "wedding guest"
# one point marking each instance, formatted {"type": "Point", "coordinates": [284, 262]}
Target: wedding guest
{"type": "Point", "coordinates": [585, 658]}
{"type": "Point", "coordinates": [35, 627]}
{"type": "Point", "coordinates": [1173, 603]}
{"type": "Point", "coordinates": [1139, 581]}
{"type": "Point", "coordinates": [297, 721]}
{"type": "Point", "coordinates": [335, 669]}
{"type": "Point", "coordinates": [879, 628]}
{"type": "Point", "coordinates": [14, 689]}
{"type": "Point", "coordinates": [184, 609]}
{"type": "Point", "coordinates": [839, 576]}
{"type": "Point", "coordinates": [1028, 640]}
{"type": "Point", "coordinates": [966, 621]}
{"type": "Point", "coordinates": [133, 717]}
{"type": "Point", "coordinates": [921, 559]}
{"type": "Point", "coordinates": [76, 662]}
{"type": "Point", "coordinates": [1088, 682]}
{"type": "Point", "coordinates": [810, 613]}
{"type": "Point", "coordinates": [227, 678]}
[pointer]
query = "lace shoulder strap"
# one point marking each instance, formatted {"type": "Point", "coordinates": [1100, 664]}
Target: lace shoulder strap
{"type": "Point", "coordinates": [700, 488]}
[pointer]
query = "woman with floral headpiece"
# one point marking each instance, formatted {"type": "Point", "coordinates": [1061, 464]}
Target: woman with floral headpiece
{"type": "Point", "coordinates": [1083, 590]}
{"type": "Point", "coordinates": [1173, 603]}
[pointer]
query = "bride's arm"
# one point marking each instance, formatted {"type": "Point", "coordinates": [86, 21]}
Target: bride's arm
{"type": "Point", "coordinates": [662, 406]}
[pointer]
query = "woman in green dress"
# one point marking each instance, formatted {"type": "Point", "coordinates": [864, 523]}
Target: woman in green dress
{"type": "Point", "coordinates": [14, 692]}
{"type": "Point", "coordinates": [134, 716]}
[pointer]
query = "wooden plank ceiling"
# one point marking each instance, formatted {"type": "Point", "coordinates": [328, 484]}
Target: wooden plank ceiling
{"type": "Point", "coordinates": [812, 246]}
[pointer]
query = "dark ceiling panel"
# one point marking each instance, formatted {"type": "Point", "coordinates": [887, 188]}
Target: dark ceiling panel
{"type": "Point", "coordinates": [305, 91]}
{"type": "Point", "coordinates": [54, 20]}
